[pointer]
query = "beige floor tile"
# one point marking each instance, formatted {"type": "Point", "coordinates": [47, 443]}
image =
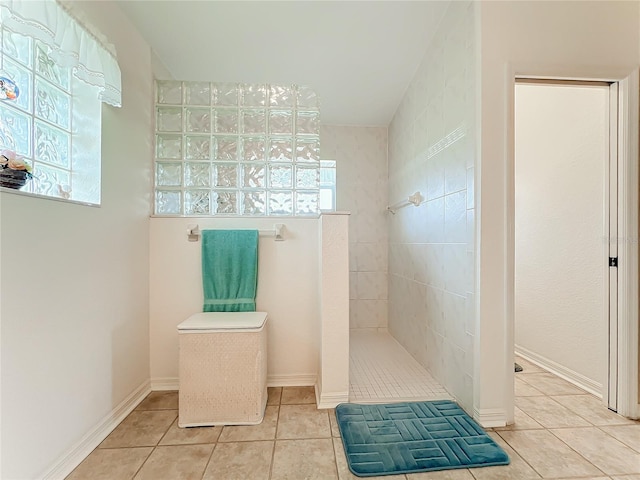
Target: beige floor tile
{"type": "Point", "coordinates": [551, 385]}
{"type": "Point", "coordinates": [625, 477]}
{"type": "Point", "coordinates": [628, 434]}
{"type": "Point", "coordinates": [160, 401]}
{"type": "Point", "coordinates": [343, 469]}
{"type": "Point", "coordinates": [335, 430]}
{"type": "Point", "coordinates": [111, 464]}
{"type": "Point", "coordinates": [592, 409]}
{"type": "Point", "coordinates": [303, 421]}
{"type": "Point", "coordinates": [459, 474]}
{"type": "Point", "coordinates": [141, 429]}
{"type": "Point", "coordinates": [527, 366]}
{"type": "Point", "coordinates": [274, 395]}
{"type": "Point", "coordinates": [298, 395]}
{"type": "Point", "coordinates": [184, 462]}
{"type": "Point", "coordinates": [304, 459]}
{"type": "Point", "coordinates": [517, 469]}
{"type": "Point", "coordinates": [609, 455]}
{"type": "Point", "coordinates": [245, 433]}
{"type": "Point", "coordinates": [523, 389]}
{"type": "Point", "coordinates": [192, 435]}
{"type": "Point", "coordinates": [585, 478]}
{"type": "Point", "coordinates": [522, 422]}
{"type": "Point", "coordinates": [240, 461]}
{"type": "Point", "coordinates": [548, 413]}
{"type": "Point", "coordinates": [548, 455]}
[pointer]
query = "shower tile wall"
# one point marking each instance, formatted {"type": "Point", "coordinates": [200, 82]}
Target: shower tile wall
{"type": "Point", "coordinates": [361, 162]}
{"type": "Point", "coordinates": [431, 254]}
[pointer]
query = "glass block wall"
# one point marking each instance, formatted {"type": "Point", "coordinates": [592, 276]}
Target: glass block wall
{"type": "Point", "coordinates": [236, 149]}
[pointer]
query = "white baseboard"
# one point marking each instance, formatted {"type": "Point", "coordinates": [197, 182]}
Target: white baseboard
{"type": "Point", "coordinates": [78, 452]}
{"type": "Point", "coordinates": [579, 380]}
{"type": "Point", "coordinates": [490, 417]}
{"type": "Point", "coordinates": [305, 380]}
{"type": "Point", "coordinates": [172, 383]}
{"type": "Point", "coordinates": [330, 400]}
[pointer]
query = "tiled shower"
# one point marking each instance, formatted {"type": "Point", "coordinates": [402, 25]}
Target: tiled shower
{"type": "Point", "coordinates": [412, 273]}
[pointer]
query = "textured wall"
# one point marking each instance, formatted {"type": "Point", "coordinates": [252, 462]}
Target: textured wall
{"type": "Point", "coordinates": [361, 162]}
{"type": "Point", "coordinates": [431, 247]}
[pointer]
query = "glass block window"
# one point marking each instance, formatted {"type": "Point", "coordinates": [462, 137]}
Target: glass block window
{"type": "Point", "coordinates": [55, 123]}
{"type": "Point", "coordinates": [236, 150]}
{"type": "Point", "coordinates": [328, 185]}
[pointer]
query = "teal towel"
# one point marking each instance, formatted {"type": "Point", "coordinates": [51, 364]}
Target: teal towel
{"type": "Point", "coordinates": [229, 270]}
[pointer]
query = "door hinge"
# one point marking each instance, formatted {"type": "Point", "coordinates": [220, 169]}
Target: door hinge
{"type": "Point", "coordinates": [613, 262]}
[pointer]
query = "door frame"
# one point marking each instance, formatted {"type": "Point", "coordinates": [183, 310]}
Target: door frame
{"type": "Point", "coordinates": [628, 342]}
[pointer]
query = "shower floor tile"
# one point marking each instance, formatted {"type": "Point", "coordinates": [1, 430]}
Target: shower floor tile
{"type": "Point", "coordinates": [381, 370]}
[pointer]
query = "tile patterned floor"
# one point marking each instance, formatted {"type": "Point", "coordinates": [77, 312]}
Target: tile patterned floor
{"type": "Point", "coordinates": [565, 434]}
{"type": "Point", "coordinates": [381, 371]}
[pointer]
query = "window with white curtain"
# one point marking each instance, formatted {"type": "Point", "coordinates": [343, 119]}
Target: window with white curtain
{"type": "Point", "coordinates": [62, 72]}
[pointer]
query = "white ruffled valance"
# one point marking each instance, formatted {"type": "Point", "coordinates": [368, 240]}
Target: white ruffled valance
{"type": "Point", "coordinates": [72, 44]}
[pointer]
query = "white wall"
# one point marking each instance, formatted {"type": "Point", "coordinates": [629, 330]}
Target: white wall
{"type": "Point", "coordinates": [560, 266]}
{"type": "Point", "coordinates": [288, 290]}
{"type": "Point", "coordinates": [361, 161]}
{"type": "Point", "coordinates": [560, 39]}
{"type": "Point", "coordinates": [431, 247]}
{"type": "Point", "coordinates": [74, 313]}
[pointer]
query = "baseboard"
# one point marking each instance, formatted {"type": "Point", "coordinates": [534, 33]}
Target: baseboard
{"type": "Point", "coordinates": [490, 417]}
{"type": "Point", "coordinates": [164, 383]}
{"type": "Point", "coordinates": [78, 452]}
{"type": "Point", "coordinates": [561, 371]}
{"type": "Point", "coordinates": [330, 400]}
{"type": "Point", "coordinates": [305, 380]}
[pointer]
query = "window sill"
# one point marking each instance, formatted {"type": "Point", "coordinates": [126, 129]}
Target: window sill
{"type": "Point", "coordinates": [13, 191]}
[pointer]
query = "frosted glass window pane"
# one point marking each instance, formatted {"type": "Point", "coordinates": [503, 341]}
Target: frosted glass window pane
{"type": "Point", "coordinates": [227, 149]}
{"type": "Point", "coordinates": [23, 78]}
{"type": "Point", "coordinates": [51, 145]}
{"type": "Point", "coordinates": [15, 130]}
{"type": "Point", "coordinates": [168, 174]}
{"type": "Point", "coordinates": [226, 94]}
{"type": "Point", "coordinates": [307, 98]}
{"type": "Point", "coordinates": [280, 176]}
{"type": "Point", "coordinates": [46, 67]}
{"type": "Point", "coordinates": [169, 92]}
{"type": "Point", "coordinates": [52, 104]}
{"type": "Point", "coordinates": [226, 203]}
{"type": "Point", "coordinates": [52, 182]}
{"type": "Point", "coordinates": [253, 175]}
{"type": "Point", "coordinates": [169, 119]}
{"type": "Point", "coordinates": [307, 177]}
{"type": "Point", "coordinates": [196, 202]}
{"type": "Point", "coordinates": [197, 93]}
{"type": "Point", "coordinates": [280, 150]}
{"type": "Point", "coordinates": [280, 122]}
{"type": "Point", "coordinates": [280, 202]}
{"type": "Point", "coordinates": [17, 46]}
{"type": "Point", "coordinates": [308, 123]}
{"type": "Point", "coordinates": [254, 95]}
{"type": "Point", "coordinates": [197, 174]}
{"type": "Point", "coordinates": [254, 203]}
{"type": "Point", "coordinates": [307, 151]}
{"type": "Point", "coordinates": [253, 149]}
{"type": "Point", "coordinates": [225, 175]}
{"type": "Point", "coordinates": [254, 121]}
{"type": "Point", "coordinates": [198, 147]}
{"type": "Point", "coordinates": [168, 202]}
{"type": "Point", "coordinates": [168, 146]}
{"type": "Point", "coordinates": [198, 120]}
{"type": "Point", "coordinates": [226, 120]}
{"type": "Point", "coordinates": [307, 203]}
{"type": "Point", "coordinates": [281, 96]}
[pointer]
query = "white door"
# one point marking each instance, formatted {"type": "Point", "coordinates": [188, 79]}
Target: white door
{"type": "Point", "coordinates": [566, 174]}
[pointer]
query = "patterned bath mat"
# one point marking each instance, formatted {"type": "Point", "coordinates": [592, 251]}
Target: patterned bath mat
{"type": "Point", "coordinates": [413, 437]}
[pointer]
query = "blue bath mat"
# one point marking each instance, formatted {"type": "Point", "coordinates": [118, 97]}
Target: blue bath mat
{"type": "Point", "coordinates": [413, 437]}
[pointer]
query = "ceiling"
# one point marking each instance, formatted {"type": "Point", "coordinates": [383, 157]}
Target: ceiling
{"type": "Point", "coordinates": [359, 56]}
